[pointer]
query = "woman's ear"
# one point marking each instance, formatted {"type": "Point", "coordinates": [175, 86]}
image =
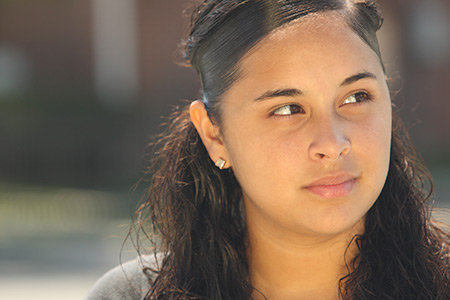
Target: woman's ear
{"type": "Point", "coordinates": [208, 132]}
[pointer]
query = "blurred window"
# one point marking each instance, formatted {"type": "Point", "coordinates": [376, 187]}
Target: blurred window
{"type": "Point", "coordinates": [14, 70]}
{"type": "Point", "coordinates": [430, 32]}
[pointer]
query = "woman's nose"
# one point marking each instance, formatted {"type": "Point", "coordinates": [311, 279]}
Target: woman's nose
{"type": "Point", "coordinates": [329, 141]}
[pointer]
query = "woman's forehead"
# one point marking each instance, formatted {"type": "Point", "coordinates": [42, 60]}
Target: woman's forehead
{"type": "Point", "coordinates": [307, 26]}
{"type": "Point", "coordinates": [308, 23]}
{"type": "Point", "coordinates": [320, 37]}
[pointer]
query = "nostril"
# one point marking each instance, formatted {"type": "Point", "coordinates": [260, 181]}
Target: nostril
{"type": "Point", "coordinates": [329, 141]}
{"type": "Point", "coordinates": [330, 151]}
{"type": "Point", "coordinates": [321, 155]}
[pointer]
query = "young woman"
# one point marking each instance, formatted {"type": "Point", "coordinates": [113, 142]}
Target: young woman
{"type": "Point", "coordinates": [291, 178]}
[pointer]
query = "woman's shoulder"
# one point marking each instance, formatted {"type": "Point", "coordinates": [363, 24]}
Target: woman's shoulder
{"type": "Point", "coordinates": [128, 281]}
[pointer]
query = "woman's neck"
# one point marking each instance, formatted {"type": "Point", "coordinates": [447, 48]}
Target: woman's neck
{"type": "Point", "coordinates": [301, 268]}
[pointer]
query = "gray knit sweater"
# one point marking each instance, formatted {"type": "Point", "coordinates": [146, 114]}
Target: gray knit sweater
{"type": "Point", "coordinates": [124, 282]}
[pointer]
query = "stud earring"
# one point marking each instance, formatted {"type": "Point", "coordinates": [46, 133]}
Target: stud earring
{"type": "Point", "coordinates": [220, 163]}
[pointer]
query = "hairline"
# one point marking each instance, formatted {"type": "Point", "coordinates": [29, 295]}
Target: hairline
{"type": "Point", "coordinates": [341, 15]}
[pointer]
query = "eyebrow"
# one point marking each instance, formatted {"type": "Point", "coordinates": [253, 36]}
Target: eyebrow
{"type": "Point", "coordinates": [357, 77]}
{"type": "Point", "coordinates": [279, 93]}
{"type": "Point", "coordinates": [290, 92]}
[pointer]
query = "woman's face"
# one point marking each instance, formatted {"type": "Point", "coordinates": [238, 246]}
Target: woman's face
{"type": "Point", "coordinates": [307, 129]}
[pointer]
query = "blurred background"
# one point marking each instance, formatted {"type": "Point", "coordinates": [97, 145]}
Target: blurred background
{"type": "Point", "coordinates": [84, 85]}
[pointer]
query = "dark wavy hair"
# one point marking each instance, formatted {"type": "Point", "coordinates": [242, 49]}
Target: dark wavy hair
{"type": "Point", "coordinates": [193, 211]}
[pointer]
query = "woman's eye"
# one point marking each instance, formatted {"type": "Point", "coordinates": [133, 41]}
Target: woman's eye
{"type": "Point", "coordinates": [288, 110]}
{"type": "Point", "coordinates": [358, 98]}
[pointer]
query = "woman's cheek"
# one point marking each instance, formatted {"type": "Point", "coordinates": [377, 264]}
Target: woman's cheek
{"type": "Point", "coordinates": [375, 142]}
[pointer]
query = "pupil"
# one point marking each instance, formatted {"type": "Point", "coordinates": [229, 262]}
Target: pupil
{"type": "Point", "coordinates": [360, 97]}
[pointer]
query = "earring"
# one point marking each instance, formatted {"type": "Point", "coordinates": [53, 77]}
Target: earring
{"type": "Point", "coordinates": [220, 163]}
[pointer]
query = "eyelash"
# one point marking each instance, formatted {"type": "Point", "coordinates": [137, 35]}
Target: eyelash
{"type": "Point", "coordinates": [287, 115]}
{"type": "Point", "coordinates": [367, 97]}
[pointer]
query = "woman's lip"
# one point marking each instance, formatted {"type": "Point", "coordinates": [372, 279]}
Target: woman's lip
{"type": "Point", "coordinates": [333, 179]}
{"type": "Point", "coordinates": [332, 190]}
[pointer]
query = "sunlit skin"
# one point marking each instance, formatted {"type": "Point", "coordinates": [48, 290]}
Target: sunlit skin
{"type": "Point", "coordinates": [306, 130]}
